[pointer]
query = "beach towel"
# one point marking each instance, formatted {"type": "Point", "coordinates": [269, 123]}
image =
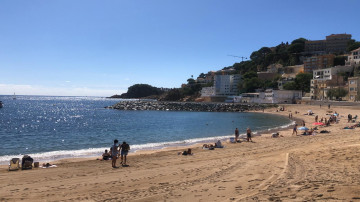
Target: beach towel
{"type": "Point", "coordinates": [52, 166]}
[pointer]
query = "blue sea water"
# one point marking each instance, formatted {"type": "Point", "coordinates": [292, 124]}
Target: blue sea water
{"type": "Point", "coordinates": [50, 128]}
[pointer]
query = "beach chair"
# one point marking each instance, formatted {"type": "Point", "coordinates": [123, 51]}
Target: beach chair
{"type": "Point", "coordinates": [14, 164]}
{"type": "Point", "coordinates": [26, 162]}
{"type": "Point", "coordinates": [27, 165]}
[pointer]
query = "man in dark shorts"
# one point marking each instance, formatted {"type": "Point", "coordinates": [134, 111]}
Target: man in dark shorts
{"type": "Point", "coordinates": [124, 152]}
{"type": "Point", "coordinates": [236, 134]}
{"type": "Point", "coordinates": [248, 134]}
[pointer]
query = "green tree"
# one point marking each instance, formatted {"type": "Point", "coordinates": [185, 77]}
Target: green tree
{"type": "Point", "coordinates": [202, 75]}
{"type": "Point", "coordinates": [249, 75]}
{"type": "Point", "coordinates": [250, 85]}
{"type": "Point", "coordinates": [337, 93]}
{"type": "Point", "coordinates": [302, 81]}
{"type": "Point", "coordinates": [245, 66]}
{"type": "Point", "coordinates": [141, 90]}
{"type": "Point", "coordinates": [290, 86]}
{"type": "Point", "coordinates": [174, 95]}
{"type": "Point", "coordinates": [339, 60]}
{"type": "Point", "coordinates": [352, 45]}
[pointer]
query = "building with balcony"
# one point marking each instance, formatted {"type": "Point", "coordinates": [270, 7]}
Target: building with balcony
{"type": "Point", "coordinates": [318, 62]}
{"type": "Point", "coordinates": [272, 96]}
{"type": "Point", "coordinates": [325, 79]}
{"type": "Point", "coordinates": [334, 43]}
{"type": "Point", "coordinates": [354, 58]}
{"type": "Point", "coordinates": [226, 85]}
{"type": "Point", "coordinates": [353, 88]}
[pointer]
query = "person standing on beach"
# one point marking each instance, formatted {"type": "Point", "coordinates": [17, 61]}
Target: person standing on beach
{"type": "Point", "coordinates": [124, 152]}
{"type": "Point", "coordinates": [295, 130]}
{"type": "Point", "coordinates": [236, 134]}
{"type": "Point", "coordinates": [248, 134]}
{"type": "Point", "coordinates": [114, 153]}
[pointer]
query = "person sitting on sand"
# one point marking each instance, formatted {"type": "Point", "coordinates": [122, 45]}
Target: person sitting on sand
{"type": "Point", "coordinates": [46, 165]}
{"type": "Point", "coordinates": [106, 155]}
{"type": "Point", "coordinates": [208, 146]}
{"type": "Point", "coordinates": [218, 144]}
{"type": "Point", "coordinates": [185, 153]}
{"type": "Point", "coordinates": [276, 135]}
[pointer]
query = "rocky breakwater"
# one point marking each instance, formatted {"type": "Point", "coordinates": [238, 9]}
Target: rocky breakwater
{"type": "Point", "coordinates": [187, 106]}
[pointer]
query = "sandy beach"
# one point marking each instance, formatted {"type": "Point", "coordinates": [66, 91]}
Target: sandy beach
{"type": "Point", "coordinates": [325, 166]}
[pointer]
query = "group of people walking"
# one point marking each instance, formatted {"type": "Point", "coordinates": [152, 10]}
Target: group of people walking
{"type": "Point", "coordinates": [117, 150]}
{"type": "Point", "coordinates": [248, 135]}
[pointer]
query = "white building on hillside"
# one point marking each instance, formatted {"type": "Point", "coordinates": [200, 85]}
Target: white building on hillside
{"type": "Point", "coordinates": [207, 91]}
{"type": "Point", "coordinates": [226, 85]}
{"type": "Point", "coordinates": [354, 58]}
{"type": "Point", "coordinates": [273, 96]}
{"type": "Point", "coordinates": [328, 73]}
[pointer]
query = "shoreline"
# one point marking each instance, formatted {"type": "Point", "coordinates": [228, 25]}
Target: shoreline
{"type": "Point", "coordinates": [76, 155]}
{"type": "Point", "coordinates": [162, 146]}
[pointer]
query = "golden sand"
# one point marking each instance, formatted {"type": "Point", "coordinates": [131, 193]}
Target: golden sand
{"type": "Point", "coordinates": [290, 168]}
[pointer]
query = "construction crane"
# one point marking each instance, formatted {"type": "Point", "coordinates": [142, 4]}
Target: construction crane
{"type": "Point", "coordinates": [242, 58]}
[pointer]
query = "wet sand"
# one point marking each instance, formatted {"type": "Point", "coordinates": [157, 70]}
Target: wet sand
{"type": "Point", "coordinates": [290, 168]}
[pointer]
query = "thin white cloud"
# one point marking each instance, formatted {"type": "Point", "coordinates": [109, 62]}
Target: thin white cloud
{"type": "Point", "coordinates": [9, 89]}
{"type": "Point", "coordinates": [67, 81]}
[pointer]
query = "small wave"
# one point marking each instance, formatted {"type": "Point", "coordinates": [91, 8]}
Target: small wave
{"type": "Point", "coordinates": [96, 152]}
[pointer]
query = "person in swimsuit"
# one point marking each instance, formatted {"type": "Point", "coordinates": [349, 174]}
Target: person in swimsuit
{"type": "Point", "coordinates": [124, 152]}
{"type": "Point", "coordinates": [248, 134]}
{"type": "Point", "coordinates": [114, 153]}
{"type": "Point", "coordinates": [295, 130]}
{"type": "Point", "coordinates": [236, 134]}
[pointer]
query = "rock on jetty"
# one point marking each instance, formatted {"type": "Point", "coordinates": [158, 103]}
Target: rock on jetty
{"type": "Point", "coordinates": [187, 106]}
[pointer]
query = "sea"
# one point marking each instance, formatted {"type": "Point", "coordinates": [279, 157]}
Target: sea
{"type": "Point", "coordinates": [50, 128]}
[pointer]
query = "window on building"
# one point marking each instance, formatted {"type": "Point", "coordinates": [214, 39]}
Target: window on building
{"type": "Point", "coordinates": [352, 89]}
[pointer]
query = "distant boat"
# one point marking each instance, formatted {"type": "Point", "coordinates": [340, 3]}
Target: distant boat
{"type": "Point", "coordinates": [1, 104]}
{"type": "Point", "coordinates": [14, 97]}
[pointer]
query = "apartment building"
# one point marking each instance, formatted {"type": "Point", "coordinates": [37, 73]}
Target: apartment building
{"type": "Point", "coordinates": [325, 79]}
{"type": "Point", "coordinates": [354, 58]}
{"type": "Point", "coordinates": [318, 62]}
{"type": "Point", "coordinates": [353, 88]}
{"type": "Point", "coordinates": [226, 85]}
{"type": "Point", "coordinates": [334, 43]}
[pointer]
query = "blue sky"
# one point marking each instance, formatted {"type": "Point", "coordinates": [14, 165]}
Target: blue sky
{"type": "Point", "coordinates": [100, 48]}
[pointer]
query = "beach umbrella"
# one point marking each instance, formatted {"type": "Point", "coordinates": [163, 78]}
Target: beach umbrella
{"type": "Point", "coordinates": [303, 128]}
{"type": "Point", "coordinates": [318, 123]}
